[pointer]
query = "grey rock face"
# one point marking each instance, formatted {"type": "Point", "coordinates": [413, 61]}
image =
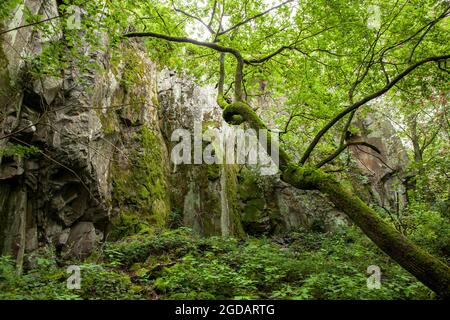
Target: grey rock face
{"type": "Point", "coordinates": [385, 170]}
{"type": "Point", "coordinates": [269, 205]}
{"type": "Point", "coordinates": [62, 194]}
{"type": "Point", "coordinates": [81, 241]}
{"type": "Point", "coordinates": [204, 194]}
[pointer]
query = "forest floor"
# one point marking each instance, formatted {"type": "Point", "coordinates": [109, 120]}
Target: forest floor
{"type": "Point", "coordinates": [177, 264]}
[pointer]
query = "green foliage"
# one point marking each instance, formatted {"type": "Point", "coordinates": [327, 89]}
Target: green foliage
{"type": "Point", "coordinates": [99, 282]}
{"type": "Point", "coordinates": [138, 248]}
{"type": "Point", "coordinates": [19, 150]}
{"type": "Point", "coordinates": [7, 7]}
{"type": "Point", "coordinates": [180, 265]}
{"type": "Point", "coordinates": [300, 265]}
{"type": "Point", "coordinates": [130, 223]}
{"type": "Point", "coordinates": [44, 282]}
{"type": "Point", "coordinates": [430, 229]}
{"type": "Point", "coordinates": [175, 219]}
{"type": "Point", "coordinates": [48, 281]}
{"type": "Point", "coordinates": [334, 60]}
{"type": "Point", "coordinates": [338, 269]}
{"type": "Point", "coordinates": [134, 69]}
{"type": "Point", "coordinates": [209, 278]}
{"type": "Point", "coordinates": [251, 184]}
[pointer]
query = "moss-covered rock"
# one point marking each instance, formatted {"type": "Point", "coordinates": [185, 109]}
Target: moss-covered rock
{"type": "Point", "coordinates": [213, 172]}
{"type": "Point", "coordinates": [4, 76]}
{"type": "Point", "coordinates": [140, 188]}
{"type": "Point", "coordinates": [231, 190]}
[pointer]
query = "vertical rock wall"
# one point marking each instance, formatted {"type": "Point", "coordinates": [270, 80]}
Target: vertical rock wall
{"type": "Point", "coordinates": [204, 196]}
{"type": "Point", "coordinates": [75, 147]}
{"type": "Point", "coordinates": [385, 183]}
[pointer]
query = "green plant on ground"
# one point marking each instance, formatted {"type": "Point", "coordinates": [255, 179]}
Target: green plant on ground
{"type": "Point", "coordinates": [178, 264]}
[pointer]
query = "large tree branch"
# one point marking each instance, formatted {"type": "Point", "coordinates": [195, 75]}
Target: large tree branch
{"type": "Point", "coordinates": [210, 45]}
{"type": "Point", "coordinates": [364, 100]}
{"type": "Point", "coordinates": [428, 269]}
{"type": "Point", "coordinates": [239, 60]}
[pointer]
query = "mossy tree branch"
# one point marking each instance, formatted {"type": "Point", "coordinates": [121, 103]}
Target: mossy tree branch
{"type": "Point", "coordinates": [212, 45]}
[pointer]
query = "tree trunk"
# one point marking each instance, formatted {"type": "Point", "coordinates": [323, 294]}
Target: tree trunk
{"type": "Point", "coordinates": [429, 270]}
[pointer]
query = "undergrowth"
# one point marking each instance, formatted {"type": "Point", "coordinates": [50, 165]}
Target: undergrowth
{"type": "Point", "coordinates": [180, 265]}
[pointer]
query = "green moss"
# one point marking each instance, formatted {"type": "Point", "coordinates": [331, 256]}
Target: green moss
{"type": "Point", "coordinates": [249, 185]}
{"type": "Point", "coordinates": [131, 98]}
{"type": "Point", "coordinates": [109, 121]}
{"type": "Point", "coordinates": [5, 81]}
{"type": "Point", "coordinates": [237, 113]}
{"type": "Point", "coordinates": [13, 149]}
{"type": "Point", "coordinates": [134, 70]}
{"type": "Point", "coordinates": [155, 101]}
{"type": "Point", "coordinates": [232, 195]}
{"type": "Point", "coordinates": [141, 191]}
{"type": "Point", "coordinates": [253, 210]}
{"type": "Point", "coordinates": [129, 223]}
{"type": "Point", "coordinates": [213, 172]}
{"type": "Point", "coordinates": [305, 177]}
{"type": "Point", "coordinates": [222, 102]}
{"type": "Point", "coordinates": [208, 124]}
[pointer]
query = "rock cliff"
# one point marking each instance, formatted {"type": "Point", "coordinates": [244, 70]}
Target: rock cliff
{"type": "Point", "coordinates": [86, 156]}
